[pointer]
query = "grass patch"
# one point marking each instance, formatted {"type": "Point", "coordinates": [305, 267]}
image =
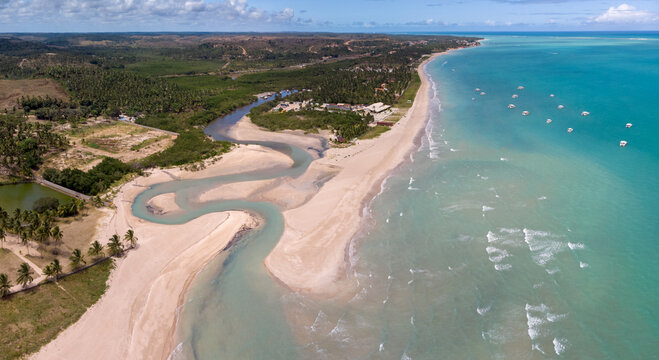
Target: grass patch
{"type": "Point", "coordinates": [409, 93]}
{"type": "Point", "coordinates": [11, 90]}
{"type": "Point", "coordinates": [33, 318]}
{"type": "Point", "coordinates": [375, 131]}
{"type": "Point", "coordinates": [148, 142]}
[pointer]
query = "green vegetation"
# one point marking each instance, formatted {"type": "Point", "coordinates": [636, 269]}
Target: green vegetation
{"type": "Point", "coordinates": [92, 182]}
{"type": "Point", "coordinates": [174, 67]}
{"type": "Point", "coordinates": [346, 124]}
{"type": "Point", "coordinates": [374, 132]}
{"type": "Point", "coordinates": [190, 146]}
{"type": "Point", "coordinates": [44, 204]}
{"type": "Point", "coordinates": [23, 144]}
{"type": "Point", "coordinates": [405, 101]}
{"type": "Point", "coordinates": [33, 318]}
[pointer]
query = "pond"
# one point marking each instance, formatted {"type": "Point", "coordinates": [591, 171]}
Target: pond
{"type": "Point", "coordinates": [24, 195]}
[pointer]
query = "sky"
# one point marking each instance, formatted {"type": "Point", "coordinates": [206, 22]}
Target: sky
{"type": "Point", "coordinates": [393, 16]}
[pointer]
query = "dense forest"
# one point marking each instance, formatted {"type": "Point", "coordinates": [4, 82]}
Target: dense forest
{"type": "Point", "coordinates": [181, 82]}
{"type": "Point", "coordinates": [92, 182]}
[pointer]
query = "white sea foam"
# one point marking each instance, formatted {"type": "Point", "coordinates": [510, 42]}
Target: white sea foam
{"type": "Point", "coordinates": [576, 246]}
{"type": "Point", "coordinates": [491, 237]}
{"type": "Point", "coordinates": [555, 317]}
{"type": "Point", "coordinates": [405, 356]}
{"type": "Point", "coordinates": [560, 345]}
{"type": "Point", "coordinates": [510, 231]}
{"type": "Point", "coordinates": [482, 310]}
{"type": "Point", "coordinates": [583, 264]}
{"type": "Point", "coordinates": [542, 198]}
{"type": "Point", "coordinates": [502, 267]}
{"type": "Point", "coordinates": [542, 245]}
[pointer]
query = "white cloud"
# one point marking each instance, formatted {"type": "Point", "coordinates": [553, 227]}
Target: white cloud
{"type": "Point", "coordinates": [142, 11]}
{"type": "Point", "coordinates": [626, 13]}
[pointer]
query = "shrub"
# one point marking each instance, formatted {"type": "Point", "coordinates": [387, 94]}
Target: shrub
{"type": "Point", "coordinates": [45, 203]}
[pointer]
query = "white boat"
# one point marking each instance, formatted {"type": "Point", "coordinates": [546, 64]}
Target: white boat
{"type": "Point", "coordinates": [585, 113]}
{"type": "Point", "coordinates": [551, 95]}
{"type": "Point", "coordinates": [478, 89]}
{"type": "Point", "coordinates": [520, 87]}
{"type": "Point", "coordinates": [511, 106]}
{"type": "Point", "coordinates": [515, 96]}
{"type": "Point", "coordinates": [623, 143]}
{"type": "Point", "coordinates": [628, 125]}
{"type": "Point", "coordinates": [473, 98]}
{"type": "Point", "coordinates": [482, 93]}
{"type": "Point", "coordinates": [525, 113]}
{"type": "Point", "coordinates": [570, 130]}
{"type": "Point", "coordinates": [561, 106]}
{"type": "Point", "coordinates": [548, 121]}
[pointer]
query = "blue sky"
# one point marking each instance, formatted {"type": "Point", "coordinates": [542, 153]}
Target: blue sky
{"type": "Point", "coordinates": [335, 16]}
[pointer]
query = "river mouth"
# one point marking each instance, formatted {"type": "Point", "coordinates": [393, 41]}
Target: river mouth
{"type": "Point", "coordinates": [237, 277]}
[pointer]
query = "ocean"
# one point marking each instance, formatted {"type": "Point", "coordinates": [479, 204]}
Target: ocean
{"type": "Point", "coordinates": [503, 237]}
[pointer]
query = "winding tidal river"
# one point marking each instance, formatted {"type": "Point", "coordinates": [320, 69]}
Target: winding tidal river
{"type": "Point", "coordinates": [504, 237]}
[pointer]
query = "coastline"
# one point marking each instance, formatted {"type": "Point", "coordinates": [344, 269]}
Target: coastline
{"type": "Point", "coordinates": [311, 255]}
{"type": "Point", "coordinates": [149, 286]}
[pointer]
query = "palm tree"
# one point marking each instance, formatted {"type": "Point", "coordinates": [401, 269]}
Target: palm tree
{"type": "Point", "coordinates": [3, 236]}
{"type": "Point", "coordinates": [5, 285]}
{"type": "Point", "coordinates": [77, 258]}
{"type": "Point", "coordinates": [57, 234]}
{"type": "Point", "coordinates": [24, 274]}
{"type": "Point", "coordinates": [96, 249]}
{"type": "Point", "coordinates": [25, 239]}
{"type": "Point", "coordinates": [115, 246]}
{"type": "Point", "coordinates": [49, 271]}
{"type": "Point", "coordinates": [56, 267]}
{"type": "Point", "coordinates": [130, 238]}
{"type": "Point", "coordinates": [42, 234]}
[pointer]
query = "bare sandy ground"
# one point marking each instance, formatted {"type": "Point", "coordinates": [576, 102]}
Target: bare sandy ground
{"type": "Point", "coordinates": [135, 319]}
{"type": "Point", "coordinates": [311, 255]}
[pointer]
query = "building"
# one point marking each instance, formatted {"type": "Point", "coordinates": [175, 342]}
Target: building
{"type": "Point", "coordinates": [377, 108]}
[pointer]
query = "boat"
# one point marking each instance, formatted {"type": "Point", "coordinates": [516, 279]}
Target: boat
{"type": "Point", "coordinates": [478, 89]}
{"type": "Point", "coordinates": [551, 95]}
{"type": "Point", "coordinates": [515, 96]}
{"type": "Point", "coordinates": [585, 113]}
{"type": "Point", "coordinates": [482, 93]}
{"type": "Point", "coordinates": [525, 113]}
{"type": "Point", "coordinates": [520, 87]}
{"type": "Point", "coordinates": [561, 106]}
{"type": "Point", "coordinates": [623, 143]}
{"type": "Point", "coordinates": [511, 106]}
{"type": "Point", "coordinates": [628, 125]}
{"type": "Point", "coordinates": [570, 130]}
{"type": "Point", "coordinates": [548, 121]}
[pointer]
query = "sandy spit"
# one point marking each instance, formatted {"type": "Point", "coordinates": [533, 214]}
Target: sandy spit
{"type": "Point", "coordinates": [311, 255]}
{"type": "Point", "coordinates": [135, 318]}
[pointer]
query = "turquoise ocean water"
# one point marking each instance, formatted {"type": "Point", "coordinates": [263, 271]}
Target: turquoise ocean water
{"type": "Point", "coordinates": [503, 237]}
